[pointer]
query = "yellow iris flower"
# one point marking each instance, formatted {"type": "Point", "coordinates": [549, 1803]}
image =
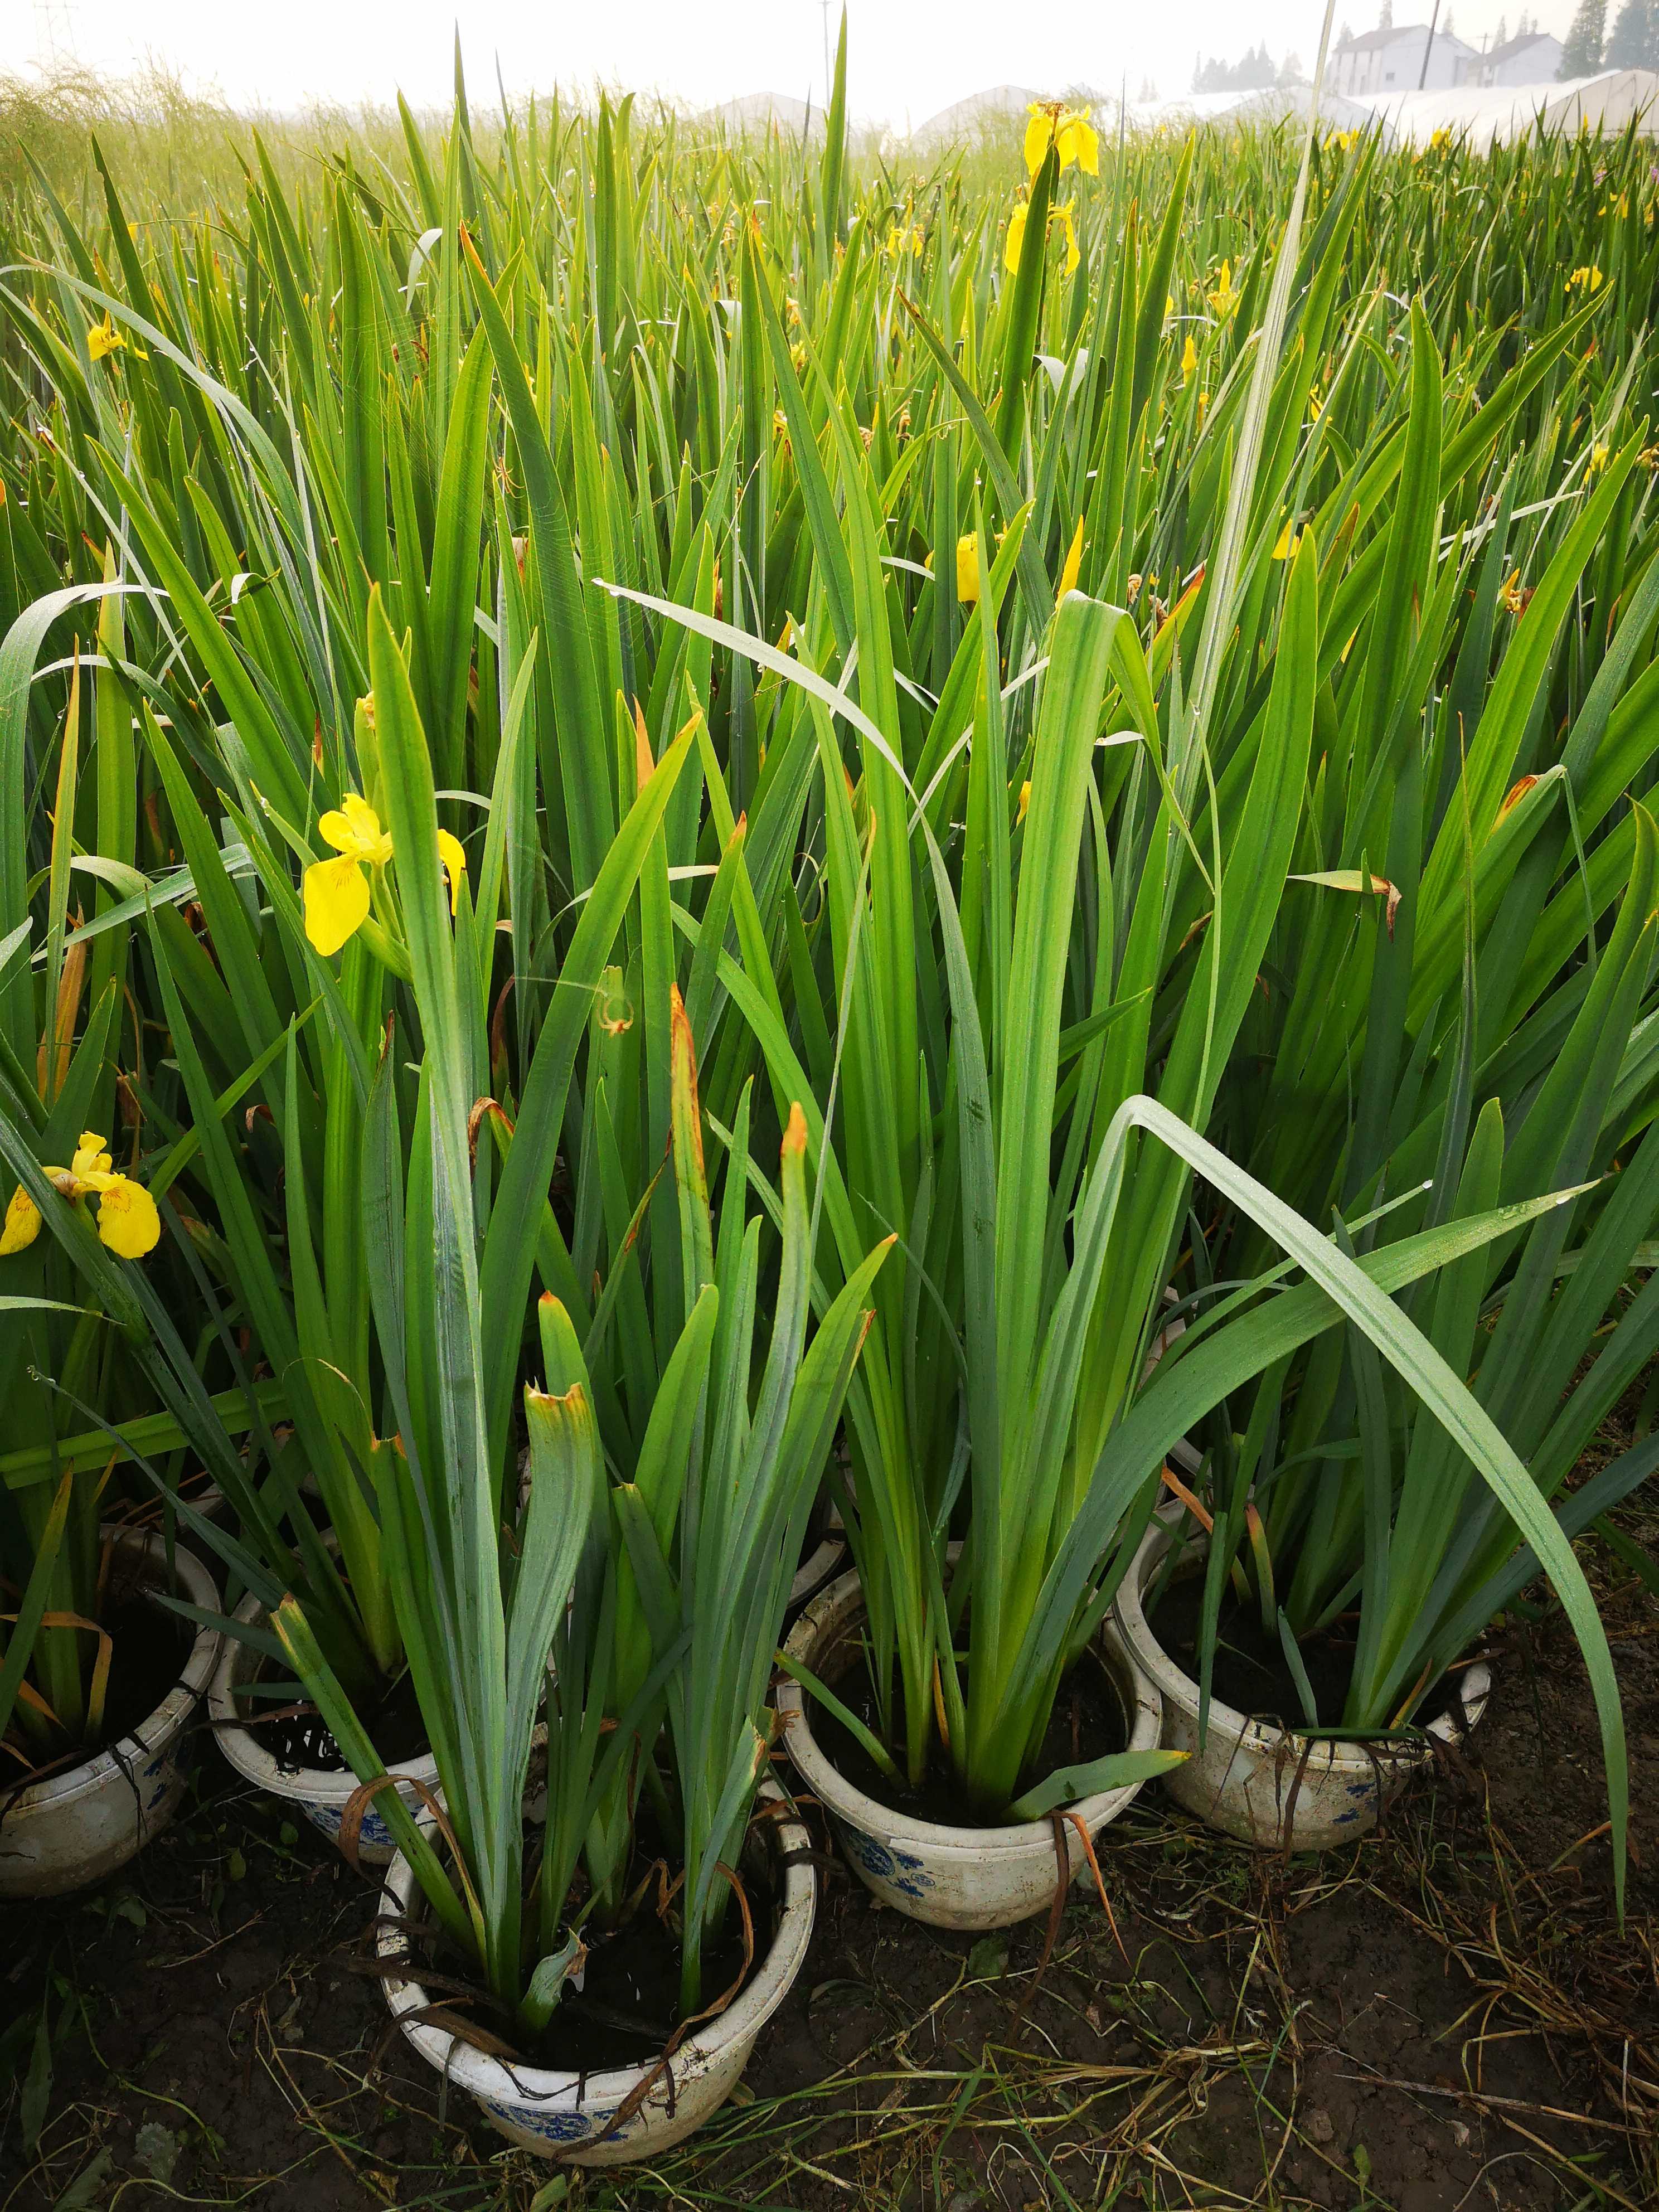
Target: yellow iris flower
{"type": "Point", "coordinates": [1074, 567]}
{"type": "Point", "coordinates": [452, 860]}
{"type": "Point", "coordinates": [1289, 539]}
{"type": "Point", "coordinates": [1016, 239]}
{"type": "Point", "coordinates": [1224, 299]}
{"type": "Point", "coordinates": [336, 892]}
{"type": "Point", "coordinates": [104, 339]}
{"type": "Point", "coordinates": [901, 240]}
{"type": "Point", "coordinates": [127, 1219]}
{"type": "Point", "coordinates": [1189, 360]}
{"type": "Point", "coordinates": [968, 570]}
{"type": "Point", "coordinates": [1068, 130]}
{"type": "Point", "coordinates": [1062, 216]}
{"type": "Point", "coordinates": [1586, 280]}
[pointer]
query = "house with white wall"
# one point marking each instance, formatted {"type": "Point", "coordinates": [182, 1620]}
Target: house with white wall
{"type": "Point", "coordinates": [1534, 58]}
{"type": "Point", "coordinates": [1391, 59]}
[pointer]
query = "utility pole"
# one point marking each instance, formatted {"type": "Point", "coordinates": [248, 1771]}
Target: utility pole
{"type": "Point", "coordinates": [1428, 47]}
{"type": "Point", "coordinates": [54, 32]}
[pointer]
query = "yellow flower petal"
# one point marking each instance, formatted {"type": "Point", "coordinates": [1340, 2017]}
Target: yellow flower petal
{"type": "Point", "coordinates": [356, 829]}
{"type": "Point", "coordinates": [336, 902]}
{"type": "Point", "coordinates": [127, 1220]}
{"type": "Point", "coordinates": [1016, 239]}
{"type": "Point", "coordinates": [1038, 133]}
{"type": "Point", "coordinates": [452, 860]}
{"type": "Point", "coordinates": [968, 570]}
{"type": "Point", "coordinates": [1189, 360]}
{"type": "Point", "coordinates": [1068, 574]}
{"type": "Point", "coordinates": [1062, 216]}
{"type": "Point", "coordinates": [1024, 801]}
{"type": "Point", "coordinates": [22, 1223]}
{"type": "Point", "coordinates": [1080, 142]}
{"type": "Point", "coordinates": [91, 1162]}
{"type": "Point", "coordinates": [91, 1157]}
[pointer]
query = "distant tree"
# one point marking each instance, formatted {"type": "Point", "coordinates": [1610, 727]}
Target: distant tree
{"type": "Point", "coordinates": [1633, 42]}
{"type": "Point", "coordinates": [1500, 37]}
{"type": "Point", "coordinates": [1385, 18]}
{"type": "Point", "coordinates": [1291, 72]}
{"type": "Point", "coordinates": [1580, 55]}
{"type": "Point", "coordinates": [1446, 30]}
{"type": "Point", "coordinates": [1344, 36]}
{"type": "Point", "coordinates": [1254, 71]}
{"type": "Point", "coordinates": [1148, 90]}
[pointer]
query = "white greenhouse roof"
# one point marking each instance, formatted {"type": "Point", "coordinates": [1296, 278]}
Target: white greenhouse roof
{"type": "Point", "coordinates": [758, 111]}
{"type": "Point", "coordinates": [1487, 115]}
{"type": "Point", "coordinates": [1335, 112]}
{"type": "Point", "coordinates": [1481, 115]}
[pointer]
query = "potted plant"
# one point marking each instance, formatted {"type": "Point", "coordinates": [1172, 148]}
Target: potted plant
{"type": "Point", "coordinates": [1053, 1395]}
{"type": "Point", "coordinates": [1313, 1617]}
{"type": "Point", "coordinates": [98, 1682]}
{"type": "Point", "coordinates": [657, 1589]}
{"type": "Point", "coordinates": [706, 1556]}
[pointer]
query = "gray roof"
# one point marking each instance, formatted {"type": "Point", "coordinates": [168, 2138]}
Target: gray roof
{"type": "Point", "coordinates": [1518, 45]}
{"type": "Point", "coordinates": [1367, 40]}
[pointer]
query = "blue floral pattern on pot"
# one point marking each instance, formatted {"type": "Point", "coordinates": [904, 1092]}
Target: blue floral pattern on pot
{"type": "Point", "coordinates": [554, 2127]}
{"type": "Point", "coordinates": [903, 1870]}
{"type": "Point", "coordinates": [326, 1818]}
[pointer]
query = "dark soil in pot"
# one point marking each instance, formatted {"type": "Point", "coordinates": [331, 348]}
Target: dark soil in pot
{"type": "Point", "coordinates": [1088, 1722]}
{"type": "Point", "coordinates": [628, 2006]}
{"type": "Point", "coordinates": [152, 1645]}
{"type": "Point", "coordinates": [1250, 1673]}
{"type": "Point", "coordinates": [302, 1738]}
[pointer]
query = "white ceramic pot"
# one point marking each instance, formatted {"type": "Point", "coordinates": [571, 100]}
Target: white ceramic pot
{"type": "Point", "coordinates": [81, 1824]}
{"type": "Point", "coordinates": [823, 1560]}
{"type": "Point", "coordinates": [321, 1793]}
{"type": "Point", "coordinates": [1255, 1781]}
{"type": "Point", "coordinates": [571, 2116]}
{"type": "Point", "coordinates": [950, 1877]}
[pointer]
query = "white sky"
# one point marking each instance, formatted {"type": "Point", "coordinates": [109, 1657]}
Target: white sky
{"type": "Point", "coordinates": [907, 57]}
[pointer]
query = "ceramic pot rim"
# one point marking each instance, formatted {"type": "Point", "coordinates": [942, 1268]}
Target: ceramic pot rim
{"type": "Point", "coordinates": [1343, 1758]}
{"type": "Point", "coordinates": [536, 2086]}
{"type": "Point", "coordinates": [819, 1562]}
{"type": "Point", "coordinates": [830, 1613]}
{"type": "Point", "coordinates": [321, 1785]}
{"type": "Point", "coordinates": [192, 1580]}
